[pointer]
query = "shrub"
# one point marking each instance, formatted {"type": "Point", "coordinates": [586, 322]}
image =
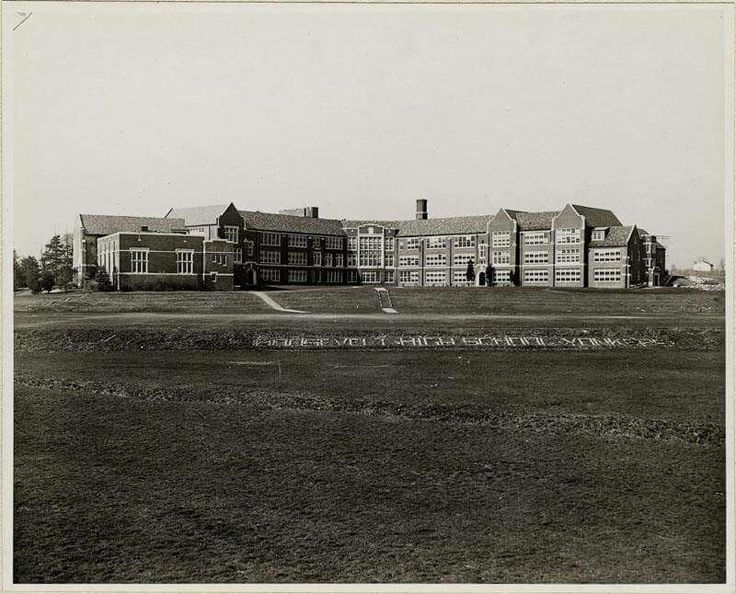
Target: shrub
{"type": "Point", "coordinates": [47, 281]}
{"type": "Point", "coordinates": [103, 280]}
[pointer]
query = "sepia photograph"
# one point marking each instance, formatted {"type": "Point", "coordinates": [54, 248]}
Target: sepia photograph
{"type": "Point", "coordinates": [325, 293]}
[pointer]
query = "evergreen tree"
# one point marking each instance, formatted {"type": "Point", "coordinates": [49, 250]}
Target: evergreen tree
{"type": "Point", "coordinates": [47, 281]}
{"type": "Point", "coordinates": [470, 272]}
{"type": "Point", "coordinates": [19, 279]}
{"type": "Point", "coordinates": [57, 260]}
{"type": "Point", "coordinates": [31, 272]}
{"type": "Point", "coordinates": [103, 280]}
{"type": "Point", "coordinates": [489, 272]}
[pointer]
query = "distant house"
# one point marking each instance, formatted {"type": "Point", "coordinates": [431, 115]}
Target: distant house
{"type": "Point", "coordinates": [702, 266]}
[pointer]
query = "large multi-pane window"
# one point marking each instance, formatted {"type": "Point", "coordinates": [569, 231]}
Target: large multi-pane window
{"type": "Point", "coordinates": [541, 257]}
{"type": "Point", "coordinates": [408, 260]}
{"type": "Point", "coordinates": [409, 277]}
{"type": "Point", "coordinates": [297, 276]}
{"type": "Point", "coordinates": [369, 277]}
{"type": "Point", "coordinates": [567, 255]}
{"type": "Point", "coordinates": [482, 252]}
{"type": "Point", "coordinates": [333, 243]}
{"type": "Point", "coordinates": [435, 277]}
{"type": "Point", "coordinates": [412, 243]}
{"type": "Point", "coordinates": [462, 259]}
{"type": "Point", "coordinates": [333, 276]}
{"type": "Point", "coordinates": [500, 257]}
{"type": "Point", "coordinates": [352, 259]}
{"type": "Point", "coordinates": [139, 261]}
{"type": "Point", "coordinates": [370, 252]}
{"type": "Point", "coordinates": [185, 261]}
{"type": "Point", "coordinates": [390, 259]}
{"type": "Point", "coordinates": [567, 275]}
{"type": "Point", "coordinates": [317, 258]}
{"type": "Point", "coordinates": [268, 238]}
{"type": "Point", "coordinates": [352, 243]}
{"type": "Point", "coordinates": [390, 276]}
{"type": "Point", "coordinates": [607, 275]}
{"type": "Point", "coordinates": [231, 234]}
{"type": "Point", "coordinates": [536, 277]}
{"type": "Point", "coordinates": [607, 255]}
{"type": "Point", "coordinates": [270, 257]}
{"type": "Point", "coordinates": [390, 244]}
{"type": "Point", "coordinates": [501, 240]}
{"type": "Point", "coordinates": [271, 274]}
{"type": "Point", "coordinates": [328, 259]}
{"type": "Point", "coordinates": [500, 277]}
{"type": "Point", "coordinates": [465, 241]}
{"type": "Point", "coordinates": [238, 255]}
{"type": "Point", "coordinates": [435, 260]}
{"type": "Point", "coordinates": [437, 242]}
{"type": "Point", "coordinates": [598, 234]}
{"type": "Point", "coordinates": [460, 277]}
{"type": "Point", "coordinates": [297, 240]}
{"type": "Point", "coordinates": [338, 260]}
{"type": "Point", "coordinates": [568, 235]}
{"type": "Point", "coordinates": [298, 258]}
{"type": "Point", "coordinates": [535, 238]}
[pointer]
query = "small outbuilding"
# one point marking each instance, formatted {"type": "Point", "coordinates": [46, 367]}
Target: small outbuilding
{"type": "Point", "coordinates": [702, 266]}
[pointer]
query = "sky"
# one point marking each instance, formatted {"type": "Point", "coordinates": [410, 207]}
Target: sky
{"type": "Point", "coordinates": [362, 109]}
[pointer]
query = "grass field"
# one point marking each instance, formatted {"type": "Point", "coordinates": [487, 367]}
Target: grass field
{"type": "Point", "coordinates": [198, 458]}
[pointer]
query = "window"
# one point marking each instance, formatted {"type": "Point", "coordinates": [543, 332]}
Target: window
{"type": "Point", "coordinates": [435, 277]}
{"type": "Point", "coordinates": [567, 255]}
{"type": "Point", "coordinates": [297, 276]}
{"type": "Point", "coordinates": [270, 257]}
{"type": "Point", "coordinates": [607, 255]}
{"type": "Point", "coordinates": [333, 276]}
{"type": "Point", "coordinates": [249, 248]}
{"type": "Point", "coordinates": [412, 243]}
{"type": "Point", "coordinates": [567, 236]}
{"type": "Point", "coordinates": [462, 259]}
{"type": "Point", "coordinates": [607, 275]}
{"type": "Point", "coordinates": [317, 258]}
{"type": "Point", "coordinates": [536, 277]}
{"type": "Point", "coordinates": [370, 252]}
{"type": "Point", "coordinates": [328, 259]}
{"type": "Point", "coordinates": [338, 260]}
{"type": "Point", "coordinates": [352, 276]}
{"type": "Point", "coordinates": [535, 238]}
{"type": "Point", "coordinates": [598, 234]}
{"type": "Point", "coordinates": [501, 277]}
{"type": "Point", "coordinates": [437, 242]}
{"type": "Point", "coordinates": [273, 239]}
{"type": "Point", "coordinates": [139, 261]}
{"type": "Point", "coordinates": [536, 257]}
{"type": "Point", "coordinates": [409, 277]}
{"type": "Point", "coordinates": [501, 257]}
{"type": "Point", "coordinates": [352, 260]}
{"type": "Point", "coordinates": [369, 277]}
{"type": "Point", "coordinates": [459, 278]}
{"type": "Point", "coordinates": [198, 231]}
{"type": "Point", "coordinates": [271, 274]}
{"type": "Point", "coordinates": [435, 260]}
{"type": "Point", "coordinates": [483, 253]}
{"type": "Point", "coordinates": [333, 243]}
{"type": "Point", "coordinates": [501, 239]}
{"type": "Point", "coordinates": [238, 255]}
{"type": "Point", "coordinates": [297, 240]}
{"type": "Point", "coordinates": [352, 243]}
{"type": "Point", "coordinates": [390, 244]}
{"type": "Point", "coordinates": [298, 258]}
{"type": "Point", "coordinates": [231, 234]}
{"type": "Point", "coordinates": [389, 276]}
{"type": "Point", "coordinates": [465, 241]}
{"type": "Point", "coordinates": [185, 261]}
{"type": "Point", "coordinates": [390, 259]}
{"type": "Point", "coordinates": [568, 275]}
{"type": "Point", "coordinates": [408, 260]}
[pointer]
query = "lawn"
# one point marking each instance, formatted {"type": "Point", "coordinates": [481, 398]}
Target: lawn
{"type": "Point", "coordinates": [199, 458]}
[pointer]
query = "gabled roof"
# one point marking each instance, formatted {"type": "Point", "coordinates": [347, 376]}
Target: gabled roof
{"type": "Point", "coordinates": [107, 224]}
{"type": "Point", "coordinates": [446, 226]}
{"type": "Point", "coordinates": [617, 236]}
{"type": "Point", "coordinates": [597, 217]}
{"type": "Point", "coordinates": [535, 221]}
{"type": "Point", "coordinates": [266, 221]}
{"type": "Point", "coordinates": [198, 215]}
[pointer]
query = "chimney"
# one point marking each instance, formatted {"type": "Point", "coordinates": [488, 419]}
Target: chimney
{"type": "Point", "coordinates": [422, 209]}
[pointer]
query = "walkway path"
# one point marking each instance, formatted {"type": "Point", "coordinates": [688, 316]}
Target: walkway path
{"type": "Point", "coordinates": [273, 305]}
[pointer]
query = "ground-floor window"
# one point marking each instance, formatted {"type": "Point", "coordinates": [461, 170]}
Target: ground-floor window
{"type": "Point", "coordinates": [567, 275]}
{"type": "Point", "coordinates": [409, 277]}
{"type": "Point", "coordinates": [390, 276]}
{"type": "Point", "coordinates": [352, 276]}
{"type": "Point", "coordinates": [139, 261]}
{"type": "Point", "coordinates": [607, 275]}
{"type": "Point", "coordinates": [500, 276]}
{"type": "Point", "coordinates": [536, 277]}
{"type": "Point", "coordinates": [271, 275]}
{"type": "Point", "coordinates": [333, 276]}
{"type": "Point", "coordinates": [185, 262]}
{"type": "Point", "coordinates": [297, 276]}
{"type": "Point", "coordinates": [460, 277]}
{"type": "Point", "coordinates": [435, 277]}
{"type": "Point", "coordinates": [369, 277]}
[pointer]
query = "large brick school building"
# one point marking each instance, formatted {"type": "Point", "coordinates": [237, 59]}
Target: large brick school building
{"type": "Point", "coordinates": [223, 248]}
